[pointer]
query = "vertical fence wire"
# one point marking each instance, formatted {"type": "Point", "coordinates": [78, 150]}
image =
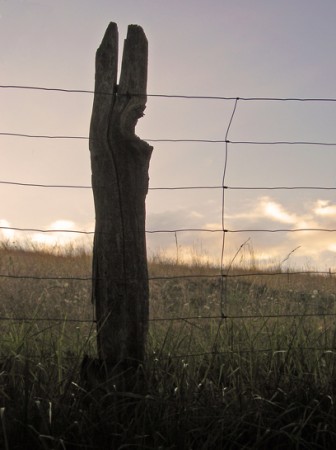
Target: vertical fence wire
{"type": "Point", "coordinates": [223, 286]}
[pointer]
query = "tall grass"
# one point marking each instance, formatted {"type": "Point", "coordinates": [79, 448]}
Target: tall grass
{"type": "Point", "coordinates": [261, 378]}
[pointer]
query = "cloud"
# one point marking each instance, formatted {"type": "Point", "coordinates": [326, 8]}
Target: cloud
{"type": "Point", "coordinates": [277, 212]}
{"type": "Point", "coordinates": [324, 208]}
{"type": "Point", "coordinates": [290, 248]}
{"type": "Point", "coordinates": [266, 210]}
{"type": "Point", "coordinates": [57, 237]}
{"type": "Point", "coordinates": [7, 233]}
{"type": "Point", "coordinates": [177, 233]}
{"type": "Point", "coordinates": [317, 248]}
{"type": "Point", "coordinates": [63, 234]}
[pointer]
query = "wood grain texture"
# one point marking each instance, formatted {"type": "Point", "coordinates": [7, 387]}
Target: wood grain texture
{"type": "Point", "coordinates": [120, 162]}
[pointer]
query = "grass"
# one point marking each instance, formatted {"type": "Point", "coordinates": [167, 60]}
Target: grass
{"type": "Point", "coordinates": [262, 378]}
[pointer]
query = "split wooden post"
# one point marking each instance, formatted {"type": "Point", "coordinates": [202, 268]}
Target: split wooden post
{"type": "Point", "coordinates": [120, 163]}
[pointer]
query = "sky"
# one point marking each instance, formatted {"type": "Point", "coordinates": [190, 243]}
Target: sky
{"type": "Point", "coordinates": [221, 48]}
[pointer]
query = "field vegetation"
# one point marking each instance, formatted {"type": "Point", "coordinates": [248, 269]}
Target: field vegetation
{"type": "Point", "coordinates": [241, 362]}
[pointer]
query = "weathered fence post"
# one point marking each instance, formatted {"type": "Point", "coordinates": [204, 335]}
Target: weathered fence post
{"type": "Point", "coordinates": [120, 162]}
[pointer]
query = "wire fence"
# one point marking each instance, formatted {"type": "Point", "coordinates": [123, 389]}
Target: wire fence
{"type": "Point", "coordinates": [222, 276]}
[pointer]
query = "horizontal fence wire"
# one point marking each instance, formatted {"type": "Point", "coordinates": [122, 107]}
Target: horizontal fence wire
{"type": "Point", "coordinates": [180, 277]}
{"type": "Point", "coordinates": [175, 188]}
{"type": "Point", "coordinates": [181, 230]}
{"type": "Point", "coordinates": [45, 278]}
{"type": "Point", "coordinates": [191, 97]}
{"type": "Point", "coordinates": [46, 319]}
{"type": "Point", "coordinates": [223, 275]}
{"type": "Point", "coordinates": [177, 318]}
{"type": "Point", "coordinates": [205, 141]}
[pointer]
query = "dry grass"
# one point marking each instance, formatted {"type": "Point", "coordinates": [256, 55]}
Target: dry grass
{"type": "Point", "coordinates": [261, 378]}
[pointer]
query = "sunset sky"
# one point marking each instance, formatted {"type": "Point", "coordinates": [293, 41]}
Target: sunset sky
{"type": "Point", "coordinates": [210, 48]}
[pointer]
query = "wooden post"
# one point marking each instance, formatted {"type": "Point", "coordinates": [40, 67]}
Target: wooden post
{"type": "Point", "coordinates": [120, 162]}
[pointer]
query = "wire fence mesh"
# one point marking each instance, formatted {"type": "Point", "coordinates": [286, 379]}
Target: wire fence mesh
{"type": "Point", "coordinates": [236, 309]}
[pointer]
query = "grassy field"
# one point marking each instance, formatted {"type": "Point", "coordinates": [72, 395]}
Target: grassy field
{"type": "Point", "coordinates": [262, 377]}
